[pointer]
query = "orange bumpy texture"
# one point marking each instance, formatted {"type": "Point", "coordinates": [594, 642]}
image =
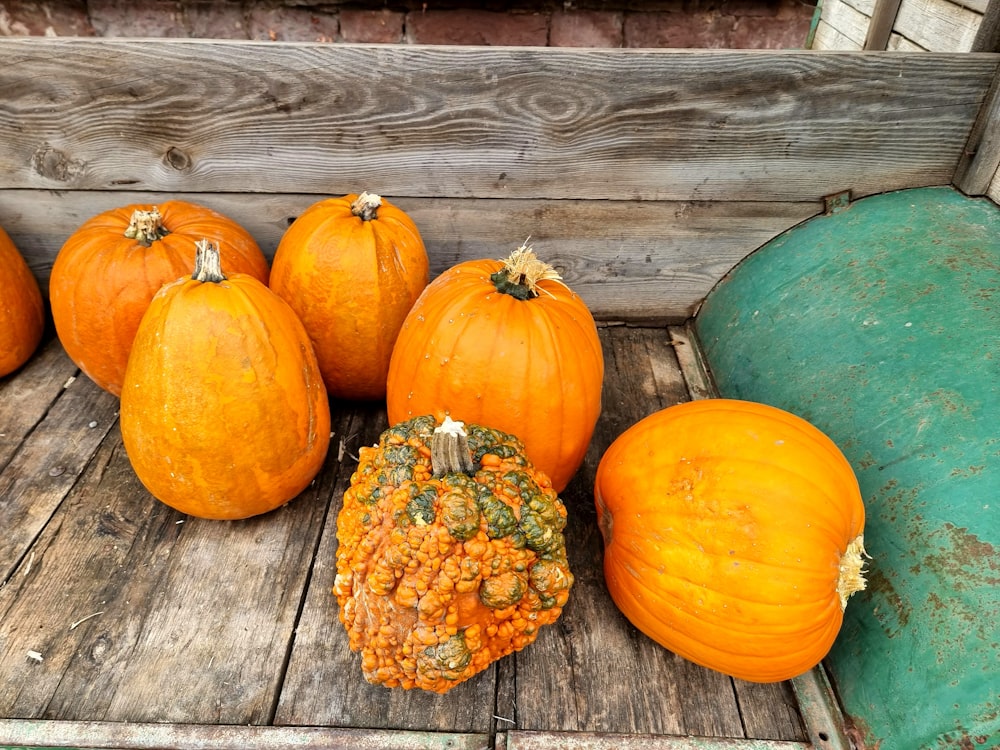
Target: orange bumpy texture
{"type": "Point", "coordinates": [439, 577]}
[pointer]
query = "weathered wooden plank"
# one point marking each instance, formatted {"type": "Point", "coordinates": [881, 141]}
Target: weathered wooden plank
{"type": "Point", "coordinates": [202, 115]}
{"type": "Point", "coordinates": [938, 25]}
{"type": "Point", "coordinates": [195, 617]}
{"type": "Point", "coordinates": [96, 563]}
{"type": "Point", "coordinates": [143, 617]}
{"type": "Point", "coordinates": [882, 21]}
{"type": "Point", "coordinates": [324, 684]}
{"type": "Point", "coordinates": [981, 157]}
{"type": "Point", "coordinates": [830, 38]}
{"type": "Point", "coordinates": [112, 736]}
{"type": "Point", "coordinates": [44, 468]}
{"type": "Point", "coordinates": [522, 740]}
{"type": "Point", "coordinates": [25, 396]}
{"type": "Point", "coordinates": [630, 260]}
{"type": "Point", "coordinates": [847, 20]}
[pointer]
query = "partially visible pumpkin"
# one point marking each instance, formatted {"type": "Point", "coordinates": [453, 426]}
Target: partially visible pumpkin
{"type": "Point", "coordinates": [733, 535]}
{"type": "Point", "coordinates": [504, 343]}
{"type": "Point", "coordinates": [108, 270]}
{"type": "Point", "coordinates": [22, 310]}
{"type": "Point", "coordinates": [451, 553]}
{"type": "Point", "coordinates": [351, 268]}
{"type": "Point", "coordinates": [224, 414]}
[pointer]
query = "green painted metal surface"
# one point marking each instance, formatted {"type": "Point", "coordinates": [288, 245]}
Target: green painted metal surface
{"type": "Point", "coordinates": [881, 325]}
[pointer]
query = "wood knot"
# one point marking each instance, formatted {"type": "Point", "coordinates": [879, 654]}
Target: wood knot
{"type": "Point", "coordinates": [177, 159]}
{"type": "Point", "coordinates": [53, 164]}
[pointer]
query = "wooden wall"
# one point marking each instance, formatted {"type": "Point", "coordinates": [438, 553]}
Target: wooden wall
{"type": "Point", "coordinates": [643, 175]}
{"type": "Point", "coordinates": [912, 25]}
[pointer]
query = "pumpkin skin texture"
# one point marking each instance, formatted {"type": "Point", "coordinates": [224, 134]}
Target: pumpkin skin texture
{"type": "Point", "coordinates": [451, 553]}
{"type": "Point", "coordinates": [733, 535]}
{"type": "Point", "coordinates": [224, 414]}
{"type": "Point", "coordinates": [351, 268]}
{"type": "Point", "coordinates": [22, 310]}
{"type": "Point", "coordinates": [526, 360]}
{"type": "Point", "coordinates": [108, 270]}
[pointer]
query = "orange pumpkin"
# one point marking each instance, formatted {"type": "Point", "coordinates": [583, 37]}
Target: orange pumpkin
{"type": "Point", "coordinates": [108, 270]}
{"type": "Point", "coordinates": [351, 268]}
{"type": "Point", "coordinates": [22, 311]}
{"type": "Point", "coordinates": [733, 535]}
{"type": "Point", "coordinates": [508, 345]}
{"type": "Point", "coordinates": [224, 414]}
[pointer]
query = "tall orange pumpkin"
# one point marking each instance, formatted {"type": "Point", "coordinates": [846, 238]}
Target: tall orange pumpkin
{"type": "Point", "coordinates": [224, 414]}
{"type": "Point", "coordinates": [504, 344]}
{"type": "Point", "coordinates": [22, 311]}
{"type": "Point", "coordinates": [733, 535]}
{"type": "Point", "coordinates": [108, 270]}
{"type": "Point", "coordinates": [351, 268]}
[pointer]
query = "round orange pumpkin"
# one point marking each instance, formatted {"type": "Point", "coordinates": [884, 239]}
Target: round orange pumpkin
{"type": "Point", "coordinates": [224, 414]}
{"type": "Point", "coordinates": [351, 268]}
{"type": "Point", "coordinates": [733, 535]}
{"type": "Point", "coordinates": [22, 311]}
{"type": "Point", "coordinates": [504, 344]}
{"type": "Point", "coordinates": [108, 270]}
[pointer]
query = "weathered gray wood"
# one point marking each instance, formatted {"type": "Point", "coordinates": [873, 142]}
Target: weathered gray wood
{"type": "Point", "coordinates": [980, 160]}
{"type": "Point", "coordinates": [988, 34]}
{"type": "Point", "coordinates": [105, 735]}
{"type": "Point", "coordinates": [25, 396]}
{"type": "Point", "coordinates": [46, 465]}
{"type": "Point", "coordinates": [210, 116]}
{"type": "Point", "coordinates": [526, 740]}
{"type": "Point", "coordinates": [96, 565]}
{"type": "Point", "coordinates": [647, 261]}
{"type": "Point", "coordinates": [881, 25]}
{"type": "Point", "coordinates": [938, 25]}
{"type": "Point", "coordinates": [143, 617]}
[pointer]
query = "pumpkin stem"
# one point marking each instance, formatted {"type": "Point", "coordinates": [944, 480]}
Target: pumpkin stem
{"type": "Point", "coordinates": [145, 227]}
{"type": "Point", "coordinates": [366, 206]}
{"type": "Point", "coordinates": [207, 265]}
{"type": "Point", "coordinates": [521, 273]}
{"type": "Point", "coordinates": [450, 452]}
{"type": "Point", "coordinates": [852, 578]}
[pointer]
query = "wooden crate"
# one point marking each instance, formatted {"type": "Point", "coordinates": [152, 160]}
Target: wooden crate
{"type": "Point", "coordinates": [643, 175]}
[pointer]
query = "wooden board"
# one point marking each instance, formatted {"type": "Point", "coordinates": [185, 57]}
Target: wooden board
{"type": "Point", "coordinates": [648, 261]}
{"type": "Point", "coordinates": [118, 614]}
{"type": "Point", "coordinates": [513, 123]}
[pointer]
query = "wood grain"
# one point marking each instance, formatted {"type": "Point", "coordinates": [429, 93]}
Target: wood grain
{"type": "Point", "coordinates": [144, 617]}
{"type": "Point", "coordinates": [479, 122]}
{"type": "Point", "coordinates": [636, 261]}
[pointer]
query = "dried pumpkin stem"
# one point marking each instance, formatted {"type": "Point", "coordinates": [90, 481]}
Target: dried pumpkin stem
{"type": "Point", "coordinates": [145, 227]}
{"type": "Point", "coordinates": [450, 452]}
{"type": "Point", "coordinates": [852, 565]}
{"type": "Point", "coordinates": [207, 265]}
{"type": "Point", "coordinates": [366, 206]}
{"type": "Point", "coordinates": [521, 273]}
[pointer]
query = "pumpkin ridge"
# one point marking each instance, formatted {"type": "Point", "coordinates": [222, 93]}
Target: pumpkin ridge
{"type": "Point", "coordinates": [695, 624]}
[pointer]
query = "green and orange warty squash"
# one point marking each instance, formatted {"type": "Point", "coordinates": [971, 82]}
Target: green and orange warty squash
{"type": "Point", "coordinates": [451, 553]}
{"type": "Point", "coordinates": [108, 270]}
{"type": "Point", "coordinates": [22, 310]}
{"type": "Point", "coordinates": [351, 268]}
{"type": "Point", "coordinates": [223, 414]}
{"type": "Point", "coordinates": [505, 344]}
{"type": "Point", "coordinates": [733, 535]}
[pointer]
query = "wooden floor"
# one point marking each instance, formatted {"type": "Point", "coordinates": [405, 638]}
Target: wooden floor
{"type": "Point", "coordinates": [126, 624]}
